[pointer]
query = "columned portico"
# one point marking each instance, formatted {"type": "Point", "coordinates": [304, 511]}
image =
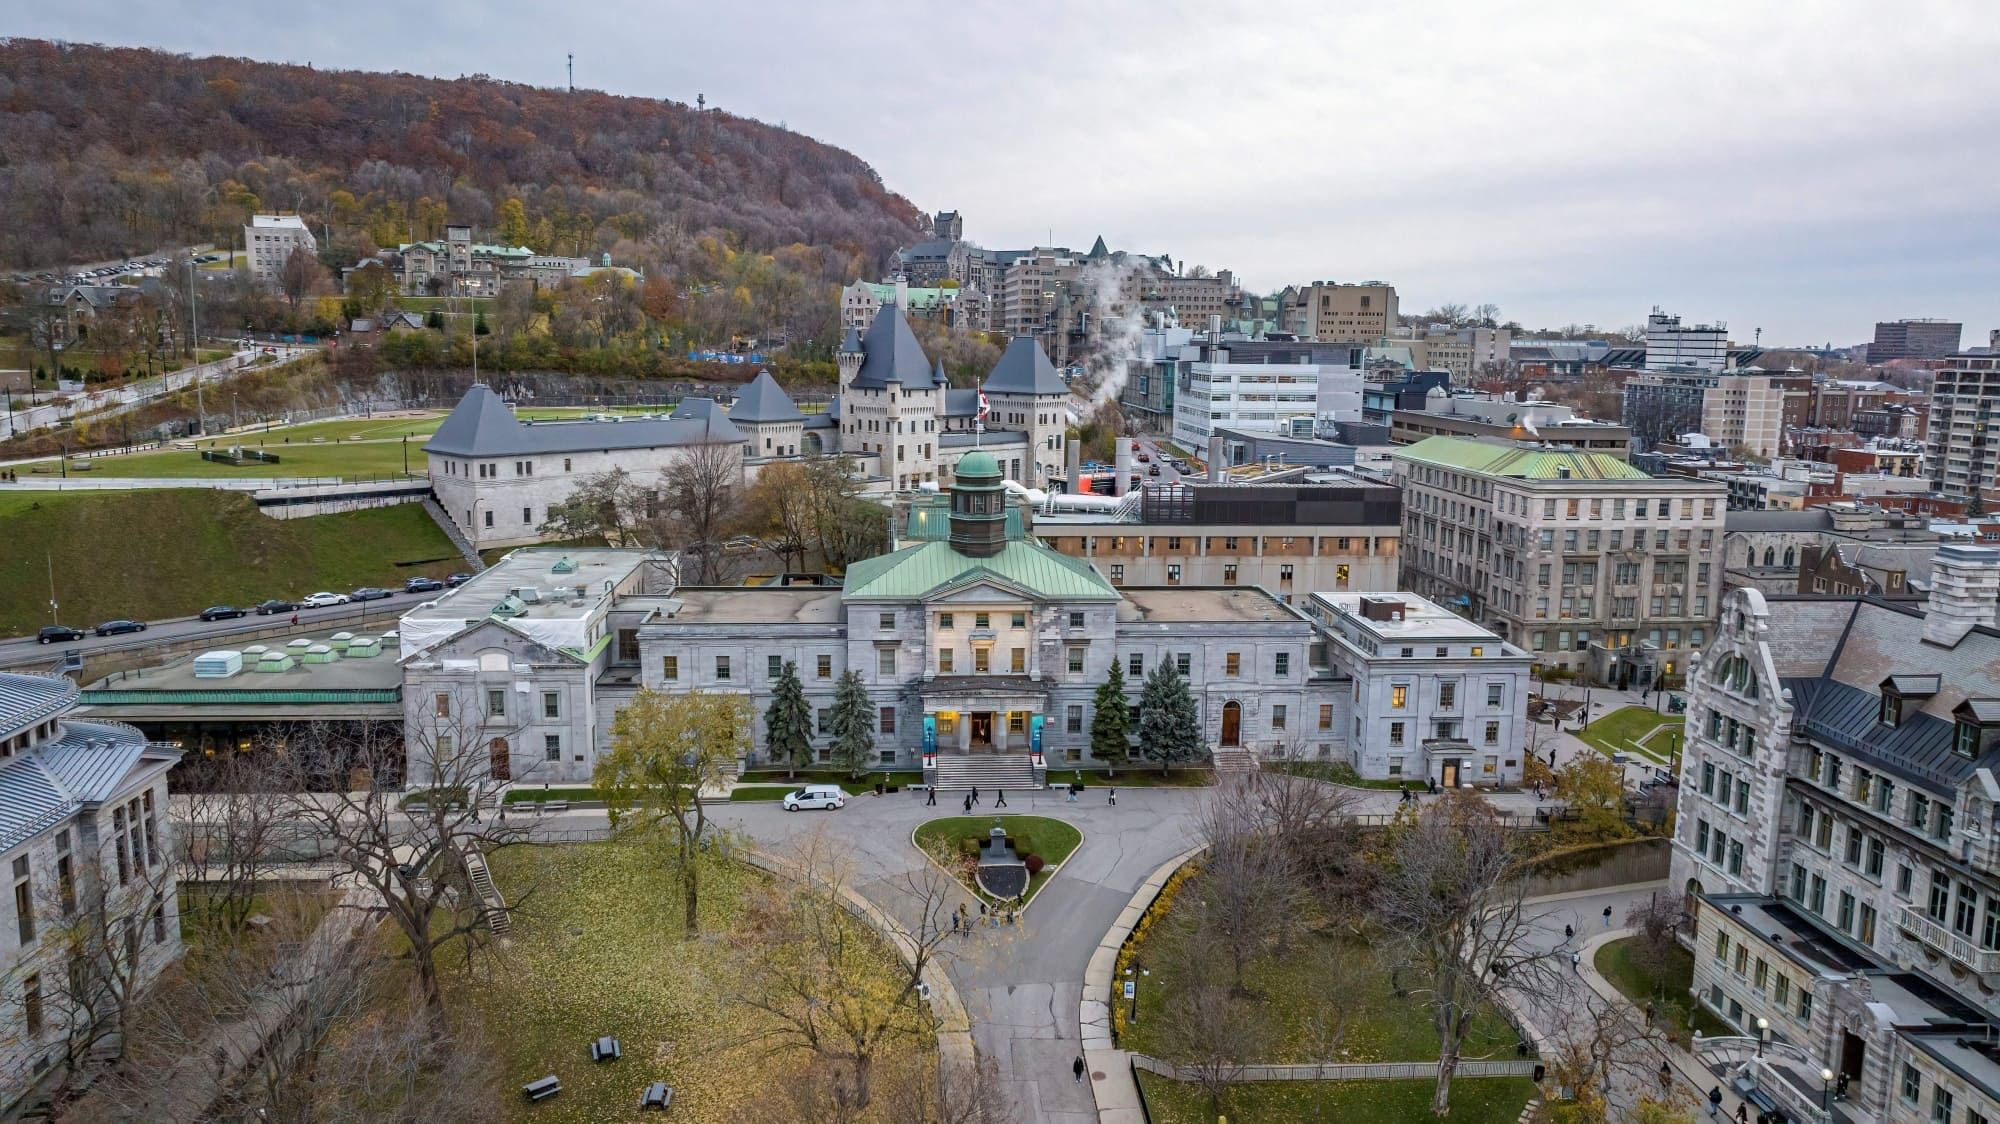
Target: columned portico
{"type": "Point", "coordinates": [983, 714]}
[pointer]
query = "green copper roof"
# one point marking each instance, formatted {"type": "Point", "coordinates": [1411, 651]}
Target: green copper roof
{"type": "Point", "coordinates": [931, 521]}
{"type": "Point", "coordinates": [914, 298]}
{"type": "Point", "coordinates": [934, 567]}
{"type": "Point", "coordinates": [1510, 460]}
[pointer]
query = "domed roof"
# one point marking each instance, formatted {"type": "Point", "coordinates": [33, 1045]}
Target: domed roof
{"type": "Point", "coordinates": [980, 464]}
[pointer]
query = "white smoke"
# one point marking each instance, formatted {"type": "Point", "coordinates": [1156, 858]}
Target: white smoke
{"type": "Point", "coordinates": [1111, 290]}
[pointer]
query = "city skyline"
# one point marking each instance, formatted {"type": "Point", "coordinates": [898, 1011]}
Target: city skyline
{"type": "Point", "coordinates": [1570, 165]}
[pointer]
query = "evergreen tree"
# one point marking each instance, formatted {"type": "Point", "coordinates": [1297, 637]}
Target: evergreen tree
{"type": "Point", "coordinates": [788, 722]}
{"type": "Point", "coordinates": [479, 327]}
{"type": "Point", "coordinates": [1169, 721]}
{"type": "Point", "coordinates": [434, 320]}
{"type": "Point", "coordinates": [1111, 718]}
{"type": "Point", "coordinates": [853, 722]}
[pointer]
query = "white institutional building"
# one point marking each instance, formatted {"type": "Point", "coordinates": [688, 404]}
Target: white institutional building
{"type": "Point", "coordinates": [270, 239]}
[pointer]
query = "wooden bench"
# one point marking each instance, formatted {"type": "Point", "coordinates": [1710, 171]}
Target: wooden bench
{"type": "Point", "coordinates": [604, 1049]}
{"type": "Point", "coordinates": [543, 1089]}
{"type": "Point", "coordinates": [658, 1095]}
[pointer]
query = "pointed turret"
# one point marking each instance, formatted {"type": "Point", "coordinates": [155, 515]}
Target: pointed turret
{"type": "Point", "coordinates": [937, 376]}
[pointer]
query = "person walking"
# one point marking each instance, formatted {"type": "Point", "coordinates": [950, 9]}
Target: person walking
{"type": "Point", "coordinates": [1576, 962]}
{"type": "Point", "coordinates": [1715, 1102]}
{"type": "Point", "coordinates": [1076, 1067]}
{"type": "Point", "coordinates": [1433, 785]}
{"type": "Point", "coordinates": [968, 803]}
{"type": "Point", "coordinates": [1113, 798]}
{"type": "Point", "coordinates": [975, 794]}
{"type": "Point", "coordinates": [1569, 933]}
{"type": "Point", "coordinates": [1000, 801]}
{"type": "Point", "coordinates": [295, 620]}
{"type": "Point", "coordinates": [1742, 1113]}
{"type": "Point", "coordinates": [930, 797]}
{"type": "Point", "coordinates": [1607, 917]}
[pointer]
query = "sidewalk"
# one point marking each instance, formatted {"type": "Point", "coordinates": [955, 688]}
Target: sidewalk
{"type": "Point", "coordinates": [1690, 1073]}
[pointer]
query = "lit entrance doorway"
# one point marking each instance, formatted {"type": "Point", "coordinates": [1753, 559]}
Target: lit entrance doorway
{"type": "Point", "coordinates": [982, 729]}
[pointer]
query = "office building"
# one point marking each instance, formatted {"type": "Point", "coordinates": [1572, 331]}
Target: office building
{"type": "Point", "coordinates": [1671, 345]}
{"type": "Point", "coordinates": [1914, 339]}
{"type": "Point", "coordinates": [269, 240]}
{"type": "Point", "coordinates": [1579, 558]}
{"type": "Point", "coordinates": [1962, 445]}
{"type": "Point", "coordinates": [1272, 386]}
{"type": "Point", "coordinates": [1500, 418]}
{"type": "Point", "coordinates": [1741, 411]}
{"type": "Point", "coordinates": [1339, 313]}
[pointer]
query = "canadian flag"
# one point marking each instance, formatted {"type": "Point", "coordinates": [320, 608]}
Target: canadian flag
{"type": "Point", "coordinates": [983, 407]}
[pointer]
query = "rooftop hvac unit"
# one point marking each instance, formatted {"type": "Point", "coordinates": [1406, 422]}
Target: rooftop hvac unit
{"type": "Point", "coordinates": [217, 665]}
{"type": "Point", "coordinates": [528, 594]}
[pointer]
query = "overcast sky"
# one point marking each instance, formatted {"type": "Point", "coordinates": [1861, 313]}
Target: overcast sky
{"type": "Point", "coordinates": [1803, 168]}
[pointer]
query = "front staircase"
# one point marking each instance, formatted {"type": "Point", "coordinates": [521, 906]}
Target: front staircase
{"type": "Point", "coordinates": [1234, 762]}
{"type": "Point", "coordinates": [988, 772]}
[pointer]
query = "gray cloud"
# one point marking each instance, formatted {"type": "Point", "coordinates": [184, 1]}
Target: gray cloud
{"type": "Point", "coordinates": [1803, 168]}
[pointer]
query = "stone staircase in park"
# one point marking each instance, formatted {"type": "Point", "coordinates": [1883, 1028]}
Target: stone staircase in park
{"type": "Point", "coordinates": [1234, 762]}
{"type": "Point", "coordinates": [465, 548]}
{"type": "Point", "coordinates": [493, 907]}
{"type": "Point", "coordinates": [988, 772]}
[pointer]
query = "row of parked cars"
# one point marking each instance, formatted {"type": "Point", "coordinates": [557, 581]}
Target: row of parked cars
{"type": "Point", "coordinates": [102, 273]}
{"type": "Point", "coordinates": [58, 632]}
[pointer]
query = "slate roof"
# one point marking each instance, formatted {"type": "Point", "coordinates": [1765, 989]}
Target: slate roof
{"type": "Point", "coordinates": [851, 342]}
{"type": "Point", "coordinates": [937, 375]}
{"type": "Point", "coordinates": [1846, 718]}
{"type": "Point", "coordinates": [1810, 519]}
{"type": "Point", "coordinates": [481, 425]}
{"type": "Point", "coordinates": [1509, 460]}
{"type": "Point", "coordinates": [1025, 369]}
{"type": "Point", "coordinates": [891, 355]}
{"type": "Point", "coordinates": [934, 568]}
{"type": "Point", "coordinates": [1098, 248]}
{"type": "Point", "coordinates": [764, 401]}
{"type": "Point", "coordinates": [961, 403]}
{"type": "Point", "coordinates": [1910, 686]}
{"type": "Point", "coordinates": [45, 785]}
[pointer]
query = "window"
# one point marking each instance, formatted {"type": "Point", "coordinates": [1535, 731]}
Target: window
{"type": "Point", "coordinates": [1020, 621]}
{"type": "Point", "coordinates": [1493, 733]}
{"type": "Point", "coordinates": [441, 705]}
{"type": "Point", "coordinates": [1173, 574]}
{"type": "Point", "coordinates": [981, 661]}
{"type": "Point", "coordinates": [1017, 721]}
{"type": "Point", "coordinates": [24, 905]}
{"type": "Point", "coordinates": [774, 666]}
{"type": "Point", "coordinates": [1135, 665]}
{"type": "Point", "coordinates": [944, 661]}
{"type": "Point", "coordinates": [1229, 573]}
{"type": "Point", "coordinates": [982, 620]}
{"type": "Point", "coordinates": [1941, 1104]}
{"type": "Point", "coordinates": [885, 663]}
{"type": "Point", "coordinates": [552, 747]}
{"type": "Point", "coordinates": [1447, 695]}
{"type": "Point", "coordinates": [1395, 766]}
{"type": "Point", "coordinates": [1399, 696]}
{"type": "Point", "coordinates": [1326, 716]}
{"type": "Point", "coordinates": [670, 667]}
{"type": "Point", "coordinates": [944, 622]}
{"type": "Point", "coordinates": [1076, 620]}
{"type": "Point", "coordinates": [1277, 717]}
{"type": "Point", "coordinates": [1913, 1083]}
{"type": "Point", "coordinates": [1073, 720]}
{"type": "Point", "coordinates": [31, 1004]}
{"type": "Point", "coordinates": [1232, 663]}
{"type": "Point", "coordinates": [823, 666]}
{"type": "Point", "coordinates": [1017, 661]}
{"type": "Point", "coordinates": [888, 720]}
{"type": "Point", "coordinates": [1282, 664]}
{"type": "Point", "coordinates": [1183, 664]}
{"type": "Point", "coordinates": [722, 667]}
{"type": "Point", "coordinates": [1117, 571]}
{"type": "Point", "coordinates": [496, 702]}
{"type": "Point", "coordinates": [1395, 733]}
{"type": "Point", "coordinates": [824, 720]}
{"type": "Point", "coordinates": [1076, 661]}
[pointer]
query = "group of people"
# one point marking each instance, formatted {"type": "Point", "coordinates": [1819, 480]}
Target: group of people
{"type": "Point", "coordinates": [1071, 792]}
{"type": "Point", "coordinates": [962, 923]}
{"type": "Point", "coordinates": [1430, 785]}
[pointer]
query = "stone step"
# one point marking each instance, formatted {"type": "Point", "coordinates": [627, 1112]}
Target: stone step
{"type": "Point", "coordinates": [991, 772]}
{"type": "Point", "coordinates": [1235, 761]}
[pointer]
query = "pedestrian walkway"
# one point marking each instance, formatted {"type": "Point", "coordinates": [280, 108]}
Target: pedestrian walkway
{"type": "Point", "coordinates": [1689, 1074]}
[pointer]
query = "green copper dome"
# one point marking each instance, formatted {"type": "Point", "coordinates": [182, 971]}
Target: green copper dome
{"type": "Point", "coordinates": [977, 465]}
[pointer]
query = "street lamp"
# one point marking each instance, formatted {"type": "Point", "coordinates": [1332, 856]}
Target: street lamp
{"type": "Point", "coordinates": [1826, 1090]}
{"type": "Point", "coordinates": [1763, 1034]}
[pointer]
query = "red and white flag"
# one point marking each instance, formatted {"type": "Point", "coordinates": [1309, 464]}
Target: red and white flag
{"type": "Point", "coordinates": [983, 407]}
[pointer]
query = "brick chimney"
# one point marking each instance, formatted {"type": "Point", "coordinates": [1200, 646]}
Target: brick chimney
{"type": "Point", "coordinates": [1965, 592]}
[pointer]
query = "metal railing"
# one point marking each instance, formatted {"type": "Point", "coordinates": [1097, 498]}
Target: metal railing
{"type": "Point", "coordinates": [1355, 1071]}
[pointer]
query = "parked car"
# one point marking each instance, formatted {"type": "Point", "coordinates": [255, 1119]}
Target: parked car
{"type": "Point", "coordinates": [1153, 471]}
{"type": "Point", "coordinates": [825, 796]}
{"type": "Point", "coordinates": [221, 613]}
{"type": "Point", "coordinates": [323, 599]}
{"type": "Point", "coordinates": [422, 585]}
{"type": "Point", "coordinates": [369, 593]}
{"type": "Point", "coordinates": [53, 632]}
{"type": "Point", "coordinates": [275, 605]}
{"type": "Point", "coordinates": [113, 628]}
{"type": "Point", "coordinates": [456, 580]}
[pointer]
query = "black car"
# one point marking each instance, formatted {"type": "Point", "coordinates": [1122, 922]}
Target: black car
{"type": "Point", "coordinates": [274, 606]}
{"type": "Point", "coordinates": [422, 585]}
{"type": "Point", "coordinates": [54, 632]}
{"type": "Point", "coordinates": [369, 593]}
{"type": "Point", "coordinates": [221, 613]}
{"type": "Point", "coordinates": [458, 579]}
{"type": "Point", "coordinates": [113, 628]}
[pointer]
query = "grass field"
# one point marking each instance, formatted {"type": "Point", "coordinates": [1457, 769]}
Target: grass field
{"type": "Point", "coordinates": [1620, 731]}
{"type": "Point", "coordinates": [1336, 773]}
{"type": "Point", "coordinates": [169, 553]}
{"type": "Point", "coordinates": [354, 460]}
{"type": "Point", "coordinates": [1667, 990]}
{"type": "Point", "coordinates": [597, 950]}
{"type": "Point", "coordinates": [372, 429]}
{"type": "Point", "coordinates": [1480, 1100]}
{"type": "Point", "coordinates": [1054, 840]}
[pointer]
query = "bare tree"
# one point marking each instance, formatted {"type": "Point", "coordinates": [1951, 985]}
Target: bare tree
{"type": "Point", "coordinates": [1656, 944]}
{"type": "Point", "coordinates": [1450, 898]}
{"type": "Point", "coordinates": [302, 276]}
{"type": "Point", "coordinates": [1250, 893]}
{"type": "Point", "coordinates": [413, 854]}
{"type": "Point", "coordinates": [703, 488]}
{"type": "Point", "coordinates": [603, 505]}
{"type": "Point", "coordinates": [1210, 1033]}
{"type": "Point", "coordinates": [816, 969]}
{"type": "Point", "coordinates": [104, 939]}
{"type": "Point", "coordinates": [1598, 1044]}
{"type": "Point", "coordinates": [229, 819]}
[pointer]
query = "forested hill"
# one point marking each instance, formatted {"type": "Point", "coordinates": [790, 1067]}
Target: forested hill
{"type": "Point", "coordinates": [111, 151]}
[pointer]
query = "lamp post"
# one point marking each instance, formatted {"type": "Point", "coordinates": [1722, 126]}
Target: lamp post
{"type": "Point", "coordinates": [1132, 995]}
{"type": "Point", "coordinates": [1763, 1034]}
{"type": "Point", "coordinates": [1826, 1090]}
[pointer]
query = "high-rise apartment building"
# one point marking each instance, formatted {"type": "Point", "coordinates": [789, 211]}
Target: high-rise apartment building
{"type": "Point", "coordinates": [1580, 558]}
{"type": "Point", "coordinates": [269, 241]}
{"type": "Point", "coordinates": [1914, 339]}
{"type": "Point", "coordinates": [1671, 344]}
{"type": "Point", "coordinates": [1963, 444]}
{"type": "Point", "coordinates": [1740, 410]}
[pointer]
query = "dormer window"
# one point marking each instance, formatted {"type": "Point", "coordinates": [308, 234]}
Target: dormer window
{"type": "Point", "coordinates": [1976, 727]}
{"type": "Point", "coordinates": [1891, 713]}
{"type": "Point", "coordinates": [1900, 690]}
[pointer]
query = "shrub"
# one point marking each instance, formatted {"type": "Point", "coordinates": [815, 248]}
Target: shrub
{"type": "Point", "coordinates": [969, 848]}
{"type": "Point", "coordinates": [1034, 864]}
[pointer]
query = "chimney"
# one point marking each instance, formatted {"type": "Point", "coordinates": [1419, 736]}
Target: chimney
{"type": "Point", "coordinates": [1121, 459]}
{"type": "Point", "coordinates": [1072, 469]}
{"type": "Point", "coordinates": [903, 294]}
{"type": "Point", "coordinates": [1965, 592]}
{"type": "Point", "coordinates": [1215, 460]}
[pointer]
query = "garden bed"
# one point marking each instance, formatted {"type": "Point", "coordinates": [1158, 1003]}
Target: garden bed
{"type": "Point", "coordinates": [957, 838]}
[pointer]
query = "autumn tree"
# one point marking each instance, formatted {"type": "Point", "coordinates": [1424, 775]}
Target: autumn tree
{"type": "Point", "coordinates": [1449, 899]}
{"type": "Point", "coordinates": [1593, 787]}
{"type": "Point", "coordinates": [607, 506]}
{"type": "Point", "coordinates": [665, 749]}
{"type": "Point", "coordinates": [853, 723]}
{"type": "Point", "coordinates": [788, 722]}
{"type": "Point", "coordinates": [369, 288]}
{"type": "Point", "coordinates": [300, 277]}
{"type": "Point", "coordinates": [513, 224]}
{"type": "Point", "coordinates": [1169, 720]}
{"type": "Point", "coordinates": [1111, 717]}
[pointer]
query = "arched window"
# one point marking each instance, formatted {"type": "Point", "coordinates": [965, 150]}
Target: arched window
{"type": "Point", "coordinates": [1770, 556]}
{"type": "Point", "coordinates": [1790, 555]}
{"type": "Point", "coordinates": [1691, 901]}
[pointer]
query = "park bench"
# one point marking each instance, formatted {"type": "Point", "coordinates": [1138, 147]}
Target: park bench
{"type": "Point", "coordinates": [543, 1089]}
{"type": "Point", "coordinates": [658, 1095]}
{"type": "Point", "coordinates": [604, 1049]}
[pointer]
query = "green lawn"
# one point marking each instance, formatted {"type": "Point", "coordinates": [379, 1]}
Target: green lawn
{"type": "Point", "coordinates": [1474, 1100]}
{"type": "Point", "coordinates": [1667, 991]}
{"type": "Point", "coordinates": [1054, 840]}
{"type": "Point", "coordinates": [373, 429]}
{"type": "Point", "coordinates": [597, 950]}
{"type": "Point", "coordinates": [829, 776]}
{"type": "Point", "coordinates": [1340, 773]}
{"type": "Point", "coordinates": [172, 552]}
{"type": "Point", "coordinates": [348, 460]}
{"type": "Point", "coordinates": [1622, 729]}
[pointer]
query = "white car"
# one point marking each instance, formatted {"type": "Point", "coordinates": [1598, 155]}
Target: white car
{"type": "Point", "coordinates": [824, 796]}
{"type": "Point", "coordinates": [322, 600]}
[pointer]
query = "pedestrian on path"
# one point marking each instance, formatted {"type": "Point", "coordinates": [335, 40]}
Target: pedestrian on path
{"type": "Point", "coordinates": [1552, 759]}
{"type": "Point", "coordinates": [1569, 933]}
{"type": "Point", "coordinates": [1114, 798]}
{"type": "Point", "coordinates": [930, 797]}
{"type": "Point", "coordinates": [975, 794]}
{"type": "Point", "coordinates": [1432, 781]}
{"type": "Point", "coordinates": [1076, 1067]}
{"type": "Point", "coordinates": [295, 620]}
{"type": "Point", "coordinates": [1607, 917]}
{"type": "Point", "coordinates": [968, 803]}
{"type": "Point", "coordinates": [1714, 1102]}
{"type": "Point", "coordinates": [1742, 1113]}
{"type": "Point", "coordinates": [1576, 962]}
{"type": "Point", "coordinates": [1001, 801]}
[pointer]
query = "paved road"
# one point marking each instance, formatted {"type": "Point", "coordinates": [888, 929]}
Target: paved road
{"type": "Point", "coordinates": [26, 652]}
{"type": "Point", "coordinates": [109, 403]}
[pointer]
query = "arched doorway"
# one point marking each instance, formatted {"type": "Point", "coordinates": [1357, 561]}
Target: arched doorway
{"type": "Point", "coordinates": [499, 763]}
{"type": "Point", "coordinates": [1232, 723]}
{"type": "Point", "coordinates": [1690, 902]}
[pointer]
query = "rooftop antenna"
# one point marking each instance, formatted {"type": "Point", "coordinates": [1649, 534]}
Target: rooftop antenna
{"type": "Point", "coordinates": [700, 103]}
{"type": "Point", "coordinates": [572, 72]}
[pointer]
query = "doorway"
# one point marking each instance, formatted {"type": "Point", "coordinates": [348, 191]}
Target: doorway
{"type": "Point", "coordinates": [982, 729]}
{"type": "Point", "coordinates": [1448, 770]}
{"type": "Point", "coordinates": [499, 763]}
{"type": "Point", "coordinates": [1232, 723]}
{"type": "Point", "coordinates": [1853, 1055]}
